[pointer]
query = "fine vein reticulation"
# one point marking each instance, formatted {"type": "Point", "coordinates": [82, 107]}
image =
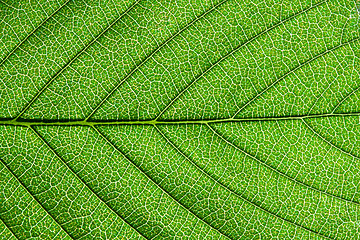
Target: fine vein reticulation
{"type": "Point", "coordinates": [176, 120]}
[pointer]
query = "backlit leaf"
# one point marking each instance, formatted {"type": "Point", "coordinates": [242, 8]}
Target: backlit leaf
{"type": "Point", "coordinates": [180, 119]}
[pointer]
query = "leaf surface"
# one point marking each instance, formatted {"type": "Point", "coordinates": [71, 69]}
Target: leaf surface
{"type": "Point", "coordinates": [179, 120]}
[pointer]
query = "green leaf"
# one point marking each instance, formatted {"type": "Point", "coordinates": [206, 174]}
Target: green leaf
{"type": "Point", "coordinates": [180, 119]}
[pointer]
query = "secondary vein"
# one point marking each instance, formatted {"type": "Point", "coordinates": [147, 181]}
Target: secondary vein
{"type": "Point", "coordinates": [32, 32]}
{"type": "Point", "coordinates": [230, 190]}
{"type": "Point", "coordinates": [27, 106]}
{"type": "Point", "coordinates": [83, 182]}
{"type": "Point", "coordinates": [35, 199]}
{"type": "Point", "coordinates": [197, 18]}
{"type": "Point", "coordinates": [158, 185]}
{"type": "Point", "coordinates": [217, 62]}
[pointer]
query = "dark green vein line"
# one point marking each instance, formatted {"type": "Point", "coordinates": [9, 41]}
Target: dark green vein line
{"type": "Point", "coordinates": [11, 231]}
{"type": "Point", "coordinates": [31, 33]}
{"type": "Point", "coordinates": [74, 58]}
{"type": "Point", "coordinates": [156, 184]}
{"type": "Point", "coordinates": [327, 141]}
{"type": "Point", "coordinates": [79, 179]}
{"type": "Point", "coordinates": [35, 199]}
{"type": "Point", "coordinates": [279, 172]}
{"type": "Point", "coordinates": [344, 99]}
{"type": "Point", "coordinates": [232, 52]}
{"type": "Point", "coordinates": [69, 122]}
{"type": "Point", "coordinates": [292, 71]}
{"type": "Point", "coordinates": [227, 188]}
{"type": "Point", "coordinates": [197, 18]}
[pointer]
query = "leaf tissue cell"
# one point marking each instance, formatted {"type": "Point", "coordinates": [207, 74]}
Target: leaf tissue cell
{"type": "Point", "coordinates": [179, 119]}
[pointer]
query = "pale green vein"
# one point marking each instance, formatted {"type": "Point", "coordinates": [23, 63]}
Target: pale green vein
{"type": "Point", "coordinates": [156, 184]}
{"type": "Point", "coordinates": [79, 179]}
{"type": "Point", "coordinates": [32, 32]}
{"type": "Point", "coordinates": [228, 189]}
{"type": "Point", "coordinates": [49, 122]}
{"type": "Point", "coordinates": [232, 52]}
{"type": "Point", "coordinates": [74, 58]}
{"type": "Point", "coordinates": [197, 18]}
{"type": "Point", "coordinates": [294, 70]}
{"type": "Point", "coordinates": [35, 199]}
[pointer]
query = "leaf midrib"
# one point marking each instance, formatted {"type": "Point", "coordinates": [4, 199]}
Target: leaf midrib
{"type": "Point", "coordinates": [90, 123]}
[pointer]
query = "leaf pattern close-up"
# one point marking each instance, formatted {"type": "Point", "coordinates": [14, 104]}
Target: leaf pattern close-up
{"type": "Point", "coordinates": [180, 119]}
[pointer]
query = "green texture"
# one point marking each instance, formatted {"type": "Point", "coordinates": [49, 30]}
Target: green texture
{"type": "Point", "coordinates": [180, 119]}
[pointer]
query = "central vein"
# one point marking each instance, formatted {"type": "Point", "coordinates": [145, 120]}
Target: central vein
{"type": "Point", "coordinates": [35, 122]}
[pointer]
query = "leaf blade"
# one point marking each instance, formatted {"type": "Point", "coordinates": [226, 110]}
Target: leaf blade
{"type": "Point", "coordinates": [166, 120]}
